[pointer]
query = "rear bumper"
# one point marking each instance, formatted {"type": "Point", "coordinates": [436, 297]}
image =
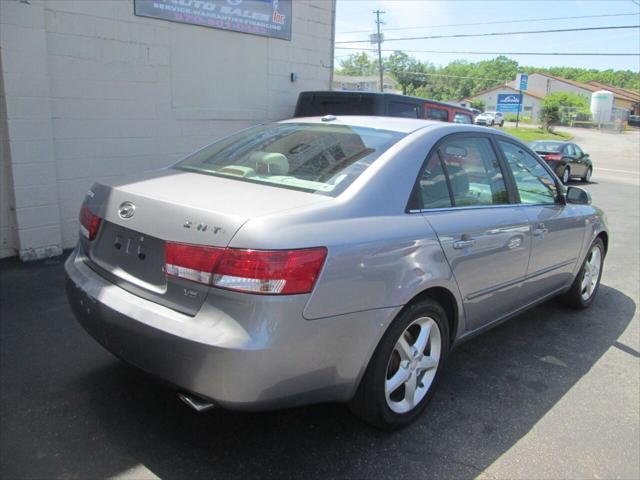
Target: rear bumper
{"type": "Point", "coordinates": [241, 351]}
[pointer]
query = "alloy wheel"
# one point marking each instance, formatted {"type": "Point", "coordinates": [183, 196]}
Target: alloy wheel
{"type": "Point", "coordinates": [565, 176]}
{"type": "Point", "coordinates": [413, 365]}
{"type": "Point", "coordinates": [591, 274]}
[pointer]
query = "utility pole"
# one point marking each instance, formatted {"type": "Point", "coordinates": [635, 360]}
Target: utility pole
{"type": "Point", "coordinates": [379, 40]}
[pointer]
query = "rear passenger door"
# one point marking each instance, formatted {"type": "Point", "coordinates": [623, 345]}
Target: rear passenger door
{"type": "Point", "coordinates": [485, 237]}
{"type": "Point", "coordinates": [557, 229]}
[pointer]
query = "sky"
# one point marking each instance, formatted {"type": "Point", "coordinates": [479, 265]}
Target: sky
{"type": "Point", "coordinates": [357, 15]}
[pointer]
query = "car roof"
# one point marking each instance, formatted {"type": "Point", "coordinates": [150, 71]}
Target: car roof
{"type": "Point", "coordinates": [395, 124]}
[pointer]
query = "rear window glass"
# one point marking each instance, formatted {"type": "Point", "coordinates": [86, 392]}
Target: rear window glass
{"type": "Point", "coordinates": [317, 158]}
{"type": "Point", "coordinates": [438, 114]}
{"type": "Point", "coordinates": [402, 109]}
{"type": "Point", "coordinates": [546, 146]}
{"type": "Point", "coordinates": [461, 118]}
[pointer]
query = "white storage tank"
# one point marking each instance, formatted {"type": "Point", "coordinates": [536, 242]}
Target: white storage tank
{"type": "Point", "coordinates": [601, 106]}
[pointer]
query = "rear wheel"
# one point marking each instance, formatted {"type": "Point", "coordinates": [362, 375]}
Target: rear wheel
{"type": "Point", "coordinates": [585, 286]}
{"type": "Point", "coordinates": [502, 123]}
{"type": "Point", "coordinates": [587, 175]}
{"type": "Point", "coordinates": [403, 372]}
{"type": "Point", "coordinates": [566, 175]}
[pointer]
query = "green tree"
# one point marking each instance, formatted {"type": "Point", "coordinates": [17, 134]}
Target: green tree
{"type": "Point", "coordinates": [357, 64]}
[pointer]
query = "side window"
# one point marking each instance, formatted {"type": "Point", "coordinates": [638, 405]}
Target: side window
{"type": "Point", "coordinates": [401, 109]}
{"type": "Point", "coordinates": [473, 171]}
{"type": "Point", "coordinates": [579, 152]}
{"type": "Point", "coordinates": [461, 118]}
{"type": "Point", "coordinates": [569, 150]}
{"type": "Point", "coordinates": [437, 114]}
{"type": "Point", "coordinates": [434, 190]}
{"type": "Point", "coordinates": [535, 184]}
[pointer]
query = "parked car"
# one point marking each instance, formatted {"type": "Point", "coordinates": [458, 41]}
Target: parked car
{"type": "Point", "coordinates": [634, 120]}
{"type": "Point", "coordinates": [565, 158]}
{"type": "Point", "coordinates": [379, 104]}
{"type": "Point", "coordinates": [490, 119]}
{"type": "Point", "coordinates": [328, 259]}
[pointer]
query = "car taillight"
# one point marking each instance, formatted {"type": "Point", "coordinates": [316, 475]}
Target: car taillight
{"type": "Point", "coordinates": [271, 272]}
{"type": "Point", "coordinates": [552, 157]}
{"type": "Point", "coordinates": [89, 223]}
{"type": "Point", "coordinates": [191, 262]}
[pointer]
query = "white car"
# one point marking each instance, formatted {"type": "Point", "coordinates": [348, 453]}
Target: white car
{"type": "Point", "coordinates": [490, 119]}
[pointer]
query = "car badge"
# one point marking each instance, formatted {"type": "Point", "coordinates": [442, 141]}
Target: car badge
{"type": "Point", "coordinates": [126, 210]}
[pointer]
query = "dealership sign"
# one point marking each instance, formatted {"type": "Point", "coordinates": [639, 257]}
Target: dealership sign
{"type": "Point", "coordinates": [270, 18]}
{"type": "Point", "coordinates": [509, 102]}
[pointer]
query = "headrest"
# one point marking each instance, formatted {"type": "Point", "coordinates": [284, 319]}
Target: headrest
{"type": "Point", "coordinates": [270, 163]}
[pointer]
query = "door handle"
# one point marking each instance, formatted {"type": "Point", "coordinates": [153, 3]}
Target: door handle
{"type": "Point", "coordinates": [460, 244]}
{"type": "Point", "coordinates": [540, 230]}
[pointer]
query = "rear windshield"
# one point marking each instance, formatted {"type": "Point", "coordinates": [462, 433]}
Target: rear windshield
{"type": "Point", "coordinates": [546, 146]}
{"type": "Point", "coordinates": [317, 158]}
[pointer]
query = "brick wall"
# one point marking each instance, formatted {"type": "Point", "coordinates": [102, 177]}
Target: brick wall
{"type": "Point", "coordinates": [94, 92]}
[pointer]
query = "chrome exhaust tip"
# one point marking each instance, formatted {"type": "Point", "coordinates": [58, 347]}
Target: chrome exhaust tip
{"type": "Point", "coordinates": [197, 403]}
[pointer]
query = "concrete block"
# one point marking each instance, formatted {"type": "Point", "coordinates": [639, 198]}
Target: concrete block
{"type": "Point", "coordinates": [23, 108]}
{"type": "Point", "coordinates": [39, 241]}
{"type": "Point", "coordinates": [27, 174]}
{"type": "Point", "coordinates": [36, 195]}
{"type": "Point", "coordinates": [29, 129]}
{"type": "Point", "coordinates": [22, 14]}
{"type": "Point", "coordinates": [31, 151]}
{"type": "Point", "coordinates": [38, 216]}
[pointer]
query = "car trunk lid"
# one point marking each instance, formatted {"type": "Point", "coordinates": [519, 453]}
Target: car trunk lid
{"type": "Point", "coordinates": [140, 215]}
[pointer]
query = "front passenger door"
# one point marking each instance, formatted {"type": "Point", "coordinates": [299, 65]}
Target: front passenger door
{"type": "Point", "coordinates": [557, 231]}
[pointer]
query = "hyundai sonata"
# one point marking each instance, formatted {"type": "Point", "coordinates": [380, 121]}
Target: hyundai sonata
{"type": "Point", "coordinates": [328, 259]}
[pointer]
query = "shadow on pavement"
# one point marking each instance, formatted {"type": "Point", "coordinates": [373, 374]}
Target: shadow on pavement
{"type": "Point", "coordinates": [69, 409]}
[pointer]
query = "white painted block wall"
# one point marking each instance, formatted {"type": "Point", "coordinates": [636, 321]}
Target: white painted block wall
{"type": "Point", "coordinates": [94, 92]}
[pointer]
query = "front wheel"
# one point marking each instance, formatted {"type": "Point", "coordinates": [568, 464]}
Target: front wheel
{"type": "Point", "coordinates": [566, 175]}
{"type": "Point", "coordinates": [502, 123]}
{"type": "Point", "coordinates": [403, 372]}
{"type": "Point", "coordinates": [585, 286]}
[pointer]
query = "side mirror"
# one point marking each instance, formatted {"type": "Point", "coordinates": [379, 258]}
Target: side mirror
{"type": "Point", "coordinates": [578, 196]}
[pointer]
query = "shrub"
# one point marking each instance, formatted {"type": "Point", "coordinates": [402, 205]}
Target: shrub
{"type": "Point", "coordinates": [559, 108]}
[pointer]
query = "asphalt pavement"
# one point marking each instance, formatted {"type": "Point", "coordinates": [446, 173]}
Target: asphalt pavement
{"type": "Point", "coordinates": [554, 393]}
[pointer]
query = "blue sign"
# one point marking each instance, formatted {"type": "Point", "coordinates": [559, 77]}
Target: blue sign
{"type": "Point", "coordinates": [509, 102]}
{"type": "Point", "coordinates": [524, 80]}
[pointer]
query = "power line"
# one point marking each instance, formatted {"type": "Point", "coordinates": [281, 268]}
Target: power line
{"type": "Point", "coordinates": [528, 32]}
{"type": "Point", "coordinates": [500, 22]}
{"type": "Point", "coordinates": [580, 54]}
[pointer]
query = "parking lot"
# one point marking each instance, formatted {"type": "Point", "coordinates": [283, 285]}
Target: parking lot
{"type": "Point", "coordinates": [553, 393]}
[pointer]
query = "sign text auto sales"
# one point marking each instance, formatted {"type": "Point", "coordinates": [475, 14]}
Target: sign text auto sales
{"type": "Point", "coordinates": [271, 18]}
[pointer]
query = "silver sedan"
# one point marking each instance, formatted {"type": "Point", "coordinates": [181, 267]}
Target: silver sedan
{"type": "Point", "coordinates": [328, 259]}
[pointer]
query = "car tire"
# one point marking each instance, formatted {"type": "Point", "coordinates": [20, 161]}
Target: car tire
{"type": "Point", "coordinates": [587, 175]}
{"type": "Point", "coordinates": [502, 123]}
{"type": "Point", "coordinates": [566, 175]}
{"type": "Point", "coordinates": [376, 400]}
{"type": "Point", "coordinates": [586, 284]}
{"type": "Point", "coordinates": [492, 123]}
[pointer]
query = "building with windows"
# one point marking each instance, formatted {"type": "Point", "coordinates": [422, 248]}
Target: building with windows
{"type": "Point", "coordinates": [626, 102]}
{"type": "Point", "coordinates": [101, 89]}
